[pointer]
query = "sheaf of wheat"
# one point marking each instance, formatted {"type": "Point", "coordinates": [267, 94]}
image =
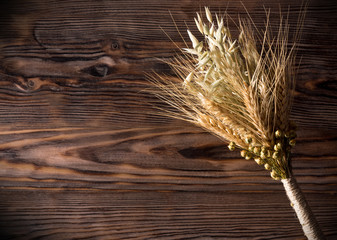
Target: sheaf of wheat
{"type": "Point", "coordinates": [241, 90]}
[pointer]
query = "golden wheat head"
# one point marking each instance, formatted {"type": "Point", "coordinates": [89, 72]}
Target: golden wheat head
{"type": "Point", "coordinates": [238, 89]}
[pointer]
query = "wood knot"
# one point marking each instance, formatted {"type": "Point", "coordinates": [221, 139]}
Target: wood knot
{"type": "Point", "coordinates": [114, 45]}
{"type": "Point", "coordinates": [100, 70]}
{"type": "Point", "coordinates": [28, 85]}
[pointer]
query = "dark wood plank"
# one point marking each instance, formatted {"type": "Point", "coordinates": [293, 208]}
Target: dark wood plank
{"type": "Point", "coordinates": [84, 153]}
{"type": "Point", "coordinates": [150, 159]}
{"type": "Point", "coordinates": [154, 215]}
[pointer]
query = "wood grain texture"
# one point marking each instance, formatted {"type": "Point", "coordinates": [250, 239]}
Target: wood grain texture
{"type": "Point", "coordinates": [85, 154]}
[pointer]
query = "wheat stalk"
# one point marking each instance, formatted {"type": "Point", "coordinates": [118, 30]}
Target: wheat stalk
{"type": "Point", "coordinates": [240, 90]}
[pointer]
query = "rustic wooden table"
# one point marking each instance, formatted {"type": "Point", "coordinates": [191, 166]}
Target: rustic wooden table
{"type": "Point", "coordinates": [85, 155]}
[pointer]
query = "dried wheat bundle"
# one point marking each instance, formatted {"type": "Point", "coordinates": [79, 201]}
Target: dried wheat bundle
{"type": "Point", "coordinates": [240, 90]}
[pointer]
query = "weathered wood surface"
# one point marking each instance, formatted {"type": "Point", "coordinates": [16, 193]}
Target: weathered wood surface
{"type": "Point", "coordinates": [84, 155]}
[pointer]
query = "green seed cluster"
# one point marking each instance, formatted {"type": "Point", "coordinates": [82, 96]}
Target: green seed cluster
{"type": "Point", "coordinates": [275, 158]}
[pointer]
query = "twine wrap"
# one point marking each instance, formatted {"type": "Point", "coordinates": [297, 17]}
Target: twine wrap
{"type": "Point", "coordinates": [305, 216]}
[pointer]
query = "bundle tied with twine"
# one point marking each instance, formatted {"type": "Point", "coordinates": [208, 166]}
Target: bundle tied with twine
{"type": "Point", "coordinates": [240, 90]}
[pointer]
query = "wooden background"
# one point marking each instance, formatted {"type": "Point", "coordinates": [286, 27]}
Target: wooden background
{"type": "Point", "coordinates": [85, 155]}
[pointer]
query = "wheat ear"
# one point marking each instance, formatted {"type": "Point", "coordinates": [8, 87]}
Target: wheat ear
{"type": "Point", "coordinates": [240, 90]}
